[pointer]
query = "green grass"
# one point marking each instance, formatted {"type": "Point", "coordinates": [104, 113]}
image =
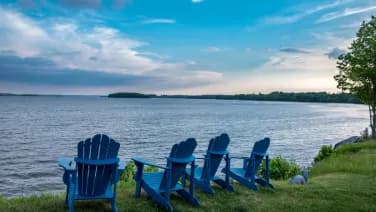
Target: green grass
{"type": "Point", "coordinates": [346, 181]}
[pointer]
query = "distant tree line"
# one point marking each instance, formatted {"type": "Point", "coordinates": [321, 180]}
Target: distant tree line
{"type": "Point", "coordinates": [274, 96]}
{"type": "Point", "coordinates": [130, 95]}
{"type": "Point", "coordinates": [280, 96]}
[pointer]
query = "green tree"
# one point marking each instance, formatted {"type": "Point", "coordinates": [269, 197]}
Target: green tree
{"type": "Point", "coordinates": [357, 69]}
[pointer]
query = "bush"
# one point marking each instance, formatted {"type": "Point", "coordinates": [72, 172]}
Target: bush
{"type": "Point", "coordinates": [280, 168]}
{"type": "Point", "coordinates": [130, 171]}
{"type": "Point", "coordinates": [324, 152]}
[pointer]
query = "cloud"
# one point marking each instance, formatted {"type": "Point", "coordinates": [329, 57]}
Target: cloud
{"type": "Point", "coordinates": [197, 1]}
{"type": "Point", "coordinates": [335, 53]}
{"type": "Point", "coordinates": [296, 16]}
{"type": "Point", "coordinates": [82, 3]}
{"type": "Point", "coordinates": [281, 72]}
{"type": "Point", "coordinates": [41, 71]}
{"type": "Point", "coordinates": [29, 4]}
{"type": "Point", "coordinates": [61, 50]}
{"type": "Point", "coordinates": [159, 21]}
{"type": "Point", "coordinates": [294, 50]}
{"type": "Point", "coordinates": [20, 34]}
{"type": "Point", "coordinates": [212, 49]}
{"type": "Point", "coordinates": [121, 3]}
{"type": "Point", "coordinates": [346, 12]}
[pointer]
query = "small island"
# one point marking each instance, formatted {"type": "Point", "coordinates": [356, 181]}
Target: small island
{"type": "Point", "coordinates": [130, 95]}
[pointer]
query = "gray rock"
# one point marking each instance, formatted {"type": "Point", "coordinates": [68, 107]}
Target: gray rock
{"type": "Point", "coordinates": [297, 179]}
{"type": "Point", "coordinates": [350, 140]}
{"type": "Point", "coordinates": [300, 179]}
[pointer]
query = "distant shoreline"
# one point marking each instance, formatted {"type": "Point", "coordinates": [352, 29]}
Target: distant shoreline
{"type": "Point", "coordinates": [314, 97]}
{"type": "Point", "coordinates": [320, 97]}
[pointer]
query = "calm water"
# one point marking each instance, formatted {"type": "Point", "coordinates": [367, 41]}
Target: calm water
{"type": "Point", "coordinates": [35, 131]}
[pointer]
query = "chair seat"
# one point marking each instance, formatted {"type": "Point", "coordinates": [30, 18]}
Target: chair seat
{"type": "Point", "coordinates": [108, 194]}
{"type": "Point", "coordinates": [238, 171]}
{"type": "Point", "coordinates": [198, 173]}
{"type": "Point", "coordinates": [154, 179]}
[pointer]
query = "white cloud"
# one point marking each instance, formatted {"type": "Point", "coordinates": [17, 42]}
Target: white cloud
{"type": "Point", "coordinates": [346, 12]}
{"type": "Point", "coordinates": [197, 1]}
{"type": "Point", "coordinates": [296, 16]}
{"type": "Point", "coordinates": [19, 33]}
{"type": "Point", "coordinates": [101, 49]}
{"type": "Point", "coordinates": [159, 21]}
{"type": "Point", "coordinates": [283, 71]}
{"type": "Point", "coordinates": [212, 49]}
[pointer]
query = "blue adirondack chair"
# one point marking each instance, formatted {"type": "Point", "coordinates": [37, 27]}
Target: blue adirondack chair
{"type": "Point", "coordinates": [96, 172]}
{"type": "Point", "coordinates": [247, 175]}
{"type": "Point", "coordinates": [217, 151]}
{"type": "Point", "coordinates": [159, 185]}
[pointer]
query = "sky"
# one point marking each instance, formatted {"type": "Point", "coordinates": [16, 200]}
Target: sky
{"type": "Point", "coordinates": [98, 47]}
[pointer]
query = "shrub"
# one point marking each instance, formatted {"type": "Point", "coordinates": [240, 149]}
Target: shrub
{"type": "Point", "coordinates": [280, 168]}
{"type": "Point", "coordinates": [130, 171]}
{"type": "Point", "coordinates": [325, 151]}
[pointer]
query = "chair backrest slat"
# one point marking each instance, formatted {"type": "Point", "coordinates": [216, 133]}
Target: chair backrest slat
{"type": "Point", "coordinates": [182, 152]}
{"type": "Point", "coordinates": [216, 150]}
{"type": "Point", "coordinates": [94, 178]}
{"type": "Point", "coordinates": [260, 147]}
{"type": "Point", "coordinates": [102, 155]}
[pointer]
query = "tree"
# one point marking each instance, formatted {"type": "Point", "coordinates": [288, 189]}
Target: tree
{"type": "Point", "coordinates": [357, 69]}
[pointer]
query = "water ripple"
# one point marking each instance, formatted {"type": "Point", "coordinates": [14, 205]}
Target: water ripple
{"type": "Point", "coordinates": [35, 131]}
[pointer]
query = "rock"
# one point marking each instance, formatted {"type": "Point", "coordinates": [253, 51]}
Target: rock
{"type": "Point", "coordinates": [300, 179]}
{"type": "Point", "coordinates": [350, 140]}
{"type": "Point", "coordinates": [297, 179]}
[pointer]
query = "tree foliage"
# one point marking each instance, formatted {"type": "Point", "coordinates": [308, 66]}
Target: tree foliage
{"type": "Point", "coordinates": [358, 68]}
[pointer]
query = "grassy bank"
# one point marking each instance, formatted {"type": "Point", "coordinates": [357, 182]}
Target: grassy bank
{"type": "Point", "coordinates": [346, 181]}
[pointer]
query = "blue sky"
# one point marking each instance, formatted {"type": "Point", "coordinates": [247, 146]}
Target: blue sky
{"type": "Point", "coordinates": [174, 46]}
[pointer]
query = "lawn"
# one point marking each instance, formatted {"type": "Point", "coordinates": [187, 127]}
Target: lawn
{"type": "Point", "coordinates": [346, 181]}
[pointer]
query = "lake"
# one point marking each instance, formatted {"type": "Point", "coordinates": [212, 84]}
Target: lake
{"type": "Point", "coordinates": [36, 131]}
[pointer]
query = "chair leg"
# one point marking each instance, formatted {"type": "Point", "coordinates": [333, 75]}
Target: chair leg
{"type": "Point", "coordinates": [184, 180]}
{"type": "Point", "coordinates": [71, 204]}
{"type": "Point", "coordinates": [113, 205]}
{"type": "Point", "coordinates": [113, 200]}
{"type": "Point", "coordinates": [72, 188]}
{"type": "Point", "coordinates": [138, 189]}
{"type": "Point", "coordinates": [204, 186]}
{"type": "Point", "coordinates": [224, 185]}
{"type": "Point", "coordinates": [188, 196]}
{"type": "Point", "coordinates": [248, 183]}
{"type": "Point", "coordinates": [66, 195]}
{"type": "Point", "coordinates": [138, 179]}
{"type": "Point", "coordinates": [207, 189]}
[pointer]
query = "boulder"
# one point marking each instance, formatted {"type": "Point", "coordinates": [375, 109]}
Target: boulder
{"type": "Point", "coordinates": [300, 179]}
{"type": "Point", "coordinates": [350, 140]}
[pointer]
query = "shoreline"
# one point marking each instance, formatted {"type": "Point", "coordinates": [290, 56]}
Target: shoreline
{"type": "Point", "coordinates": [331, 181]}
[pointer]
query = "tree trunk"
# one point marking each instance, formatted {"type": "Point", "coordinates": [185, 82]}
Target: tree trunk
{"type": "Point", "coordinates": [373, 124]}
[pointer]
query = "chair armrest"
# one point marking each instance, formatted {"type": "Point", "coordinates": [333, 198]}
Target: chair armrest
{"type": "Point", "coordinates": [66, 164]}
{"type": "Point", "coordinates": [144, 162]}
